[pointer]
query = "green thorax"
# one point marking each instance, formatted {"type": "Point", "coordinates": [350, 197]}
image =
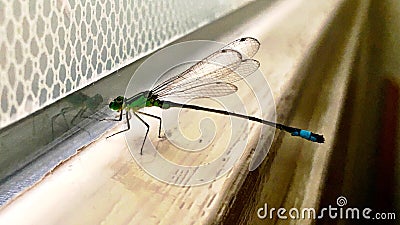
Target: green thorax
{"type": "Point", "coordinates": [137, 103]}
{"type": "Point", "coordinates": [144, 99]}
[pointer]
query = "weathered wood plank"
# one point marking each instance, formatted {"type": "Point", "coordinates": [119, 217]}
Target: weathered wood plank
{"type": "Point", "coordinates": [103, 184]}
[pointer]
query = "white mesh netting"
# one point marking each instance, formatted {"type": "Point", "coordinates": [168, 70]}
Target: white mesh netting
{"type": "Point", "coordinates": [49, 48]}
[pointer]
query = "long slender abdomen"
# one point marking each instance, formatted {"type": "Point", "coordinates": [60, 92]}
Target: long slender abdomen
{"type": "Point", "coordinates": [308, 135]}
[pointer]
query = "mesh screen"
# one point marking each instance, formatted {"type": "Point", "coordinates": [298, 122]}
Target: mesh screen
{"type": "Point", "coordinates": [49, 49]}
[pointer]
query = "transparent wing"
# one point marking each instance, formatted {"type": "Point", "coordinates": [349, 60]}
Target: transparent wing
{"type": "Point", "coordinates": [203, 70]}
{"type": "Point", "coordinates": [219, 75]}
{"type": "Point", "coordinates": [206, 90]}
{"type": "Point", "coordinates": [246, 68]}
{"type": "Point", "coordinates": [212, 77]}
{"type": "Point", "coordinates": [247, 46]}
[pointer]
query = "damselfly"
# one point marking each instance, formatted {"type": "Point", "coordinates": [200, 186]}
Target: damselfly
{"type": "Point", "coordinates": [211, 77]}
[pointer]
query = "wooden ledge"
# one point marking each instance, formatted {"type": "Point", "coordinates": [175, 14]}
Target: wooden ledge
{"type": "Point", "coordinates": [305, 60]}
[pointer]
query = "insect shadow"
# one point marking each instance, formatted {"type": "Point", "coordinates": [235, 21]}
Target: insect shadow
{"type": "Point", "coordinates": [79, 106]}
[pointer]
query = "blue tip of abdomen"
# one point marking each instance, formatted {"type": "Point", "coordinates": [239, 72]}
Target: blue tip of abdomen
{"type": "Point", "coordinates": [309, 136]}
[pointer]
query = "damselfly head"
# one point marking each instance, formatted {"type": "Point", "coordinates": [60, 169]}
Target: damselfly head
{"type": "Point", "coordinates": [117, 103]}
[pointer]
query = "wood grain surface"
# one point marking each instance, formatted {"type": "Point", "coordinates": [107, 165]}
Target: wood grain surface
{"type": "Point", "coordinates": [104, 185]}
